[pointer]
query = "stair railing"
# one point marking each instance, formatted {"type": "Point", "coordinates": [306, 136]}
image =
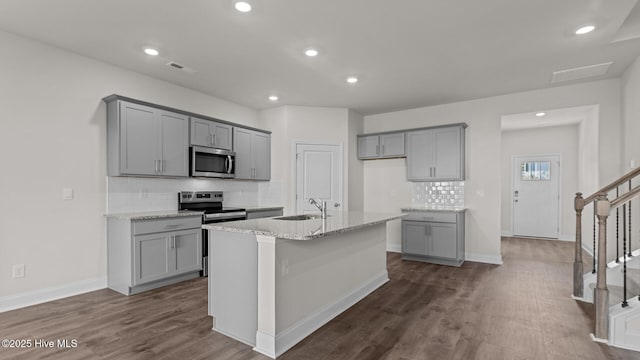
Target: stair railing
{"type": "Point", "coordinates": [602, 210]}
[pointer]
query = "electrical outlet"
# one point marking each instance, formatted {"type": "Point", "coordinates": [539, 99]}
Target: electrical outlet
{"type": "Point", "coordinates": [67, 194]}
{"type": "Point", "coordinates": [18, 271]}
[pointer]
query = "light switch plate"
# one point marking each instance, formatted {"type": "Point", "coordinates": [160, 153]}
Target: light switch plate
{"type": "Point", "coordinates": [67, 194]}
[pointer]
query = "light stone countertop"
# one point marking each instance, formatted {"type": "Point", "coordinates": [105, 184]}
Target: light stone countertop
{"type": "Point", "coordinates": [434, 208]}
{"type": "Point", "coordinates": [335, 223]}
{"type": "Point", "coordinates": [149, 215]}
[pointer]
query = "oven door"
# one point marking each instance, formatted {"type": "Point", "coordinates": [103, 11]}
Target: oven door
{"type": "Point", "coordinates": [215, 218]}
{"type": "Point", "coordinates": [208, 162]}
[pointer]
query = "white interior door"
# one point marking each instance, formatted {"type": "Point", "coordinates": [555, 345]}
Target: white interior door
{"type": "Point", "coordinates": [318, 175]}
{"type": "Point", "coordinates": [536, 196]}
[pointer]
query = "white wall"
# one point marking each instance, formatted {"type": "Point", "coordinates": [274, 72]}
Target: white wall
{"type": "Point", "coordinates": [356, 167]}
{"type": "Point", "coordinates": [53, 136]}
{"type": "Point", "coordinates": [631, 113]}
{"type": "Point", "coordinates": [483, 153]}
{"type": "Point", "coordinates": [290, 124]}
{"type": "Point", "coordinates": [561, 140]}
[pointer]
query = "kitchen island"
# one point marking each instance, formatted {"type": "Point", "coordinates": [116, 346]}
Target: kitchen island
{"type": "Point", "coordinates": [272, 282]}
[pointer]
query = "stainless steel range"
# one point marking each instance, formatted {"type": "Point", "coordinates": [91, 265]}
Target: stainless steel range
{"type": "Point", "coordinates": [210, 203]}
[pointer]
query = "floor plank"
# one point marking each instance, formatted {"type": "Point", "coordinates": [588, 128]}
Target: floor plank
{"type": "Point", "coordinates": [519, 310]}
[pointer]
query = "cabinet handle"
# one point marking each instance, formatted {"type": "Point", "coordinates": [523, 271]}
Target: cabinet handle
{"type": "Point", "coordinates": [175, 242]}
{"type": "Point", "coordinates": [377, 149]}
{"type": "Point", "coordinates": [382, 149]}
{"type": "Point", "coordinates": [156, 164]}
{"type": "Point", "coordinates": [434, 172]}
{"type": "Point", "coordinates": [214, 139]}
{"type": "Point", "coordinates": [161, 166]}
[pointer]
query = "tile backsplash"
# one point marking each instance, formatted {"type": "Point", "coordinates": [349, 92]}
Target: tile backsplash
{"type": "Point", "coordinates": [131, 194]}
{"type": "Point", "coordinates": [439, 193]}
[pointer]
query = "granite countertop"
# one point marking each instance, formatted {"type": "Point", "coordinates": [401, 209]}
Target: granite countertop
{"type": "Point", "coordinates": [434, 208]}
{"type": "Point", "coordinates": [335, 223]}
{"type": "Point", "coordinates": [148, 215]}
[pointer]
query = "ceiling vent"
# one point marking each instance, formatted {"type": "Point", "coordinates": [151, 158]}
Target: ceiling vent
{"type": "Point", "coordinates": [180, 67]}
{"type": "Point", "coordinates": [580, 72]}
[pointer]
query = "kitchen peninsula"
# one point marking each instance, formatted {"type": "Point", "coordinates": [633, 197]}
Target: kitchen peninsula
{"type": "Point", "coordinates": [274, 281]}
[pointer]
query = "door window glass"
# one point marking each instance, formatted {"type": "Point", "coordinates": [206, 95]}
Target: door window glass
{"type": "Point", "coordinates": [535, 170]}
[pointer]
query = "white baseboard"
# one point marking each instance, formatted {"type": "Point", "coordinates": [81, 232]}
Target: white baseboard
{"type": "Point", "coordinates": [483, 258]}
{"type": "Point", "coordinates": [17, 301]}
{"type": "Point", "coordinates": [586, 248]}
{"type": "Point", "coordinates": [274, 346]}
{"type": "Point", "coordinates": [506, 233]}
{"type": "Point", "coordinates": [567, 237]}
{"type": "Point", "coordinates": [396, 248]}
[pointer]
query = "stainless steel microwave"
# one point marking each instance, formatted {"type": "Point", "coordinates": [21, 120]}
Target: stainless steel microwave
{"type": "Point", "coordinates": [209, 162]}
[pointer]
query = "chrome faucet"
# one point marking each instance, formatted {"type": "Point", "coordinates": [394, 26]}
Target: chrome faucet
{"type": "Point", "coordinates": [321, 205]}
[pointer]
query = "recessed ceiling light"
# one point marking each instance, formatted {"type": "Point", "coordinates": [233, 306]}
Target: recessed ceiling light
{"type": "Point", "coordinates": [243, 6]}
{"type": "Point", "coordinates": [311, 52]}
{"type": "Point", "coordinates": [540, 114]}
{"type": "Point", "coordinates": [585, 30]}
{"type": "Point", "coordinates": [273, 98]}
{"type": "Point", "coordinates": [151, 51]}
{"type": "Point", "coordinates": [352, 79]}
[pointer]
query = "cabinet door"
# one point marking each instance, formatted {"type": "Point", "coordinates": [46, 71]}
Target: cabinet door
{"type": "Point", "coordinates": [443, 238]}
{"type": "Point", "coordinates": [448, 163]}
{"type": "Point", "coordinates": [242, 148]}
{"type": "Point", "coordinates": [392, 145]}
{"type": "Point", "coordinates": [261, 156]}
{"type": "Point", "coordinates": [174, 144]}
{"type": "Point", "coordinates": [188, 250]}
{"type": "Point", "coordinates": [138, 140]}
{"type": "Point", "coordinates": [420, 155]}
{"type": "Point", "coordinates": [151, 257]}
{"type": "Point", "coordinates": [414, 238]}
{"type": "Point", "coordinates": [201, 132]}
{"type": "Point", "coordinates": [368, 147]}
{"type": "Point", "coordinates": [222, 135]}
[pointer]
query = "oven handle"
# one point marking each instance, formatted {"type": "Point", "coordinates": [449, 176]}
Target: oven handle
{"type": "Point", "coordinates": [221, 216]}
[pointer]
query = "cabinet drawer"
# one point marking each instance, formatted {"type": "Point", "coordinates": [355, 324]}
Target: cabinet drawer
{"type": "Point", "coordinates": [445, 217]}
{"type": "Point", "coordinates": [168, 224]}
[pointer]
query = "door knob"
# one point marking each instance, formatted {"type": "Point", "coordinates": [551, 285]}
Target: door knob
{"type": "Point", "coordinates": [336, 205]}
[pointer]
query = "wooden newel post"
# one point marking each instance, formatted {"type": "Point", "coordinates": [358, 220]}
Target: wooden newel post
{"type": "Point", "coordinates": [601, 292]}
{"type": "Point", "coordinates": [578, 286]}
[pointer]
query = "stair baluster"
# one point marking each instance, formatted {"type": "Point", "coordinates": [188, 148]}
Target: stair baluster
{"type": "Point", "coordinates": [624, 259]}
{"type": "Point", "coordinates": [595, 203]}
{"type": "Point", "coordinates": [630, 249]}
{"type": "Point", "coordinates": [617, 228]}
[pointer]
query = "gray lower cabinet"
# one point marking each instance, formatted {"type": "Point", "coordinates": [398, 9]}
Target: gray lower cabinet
{"type": "Point", "coordinates": [211, 134]}
{"type": "Point", "coordinates": [436, 237]}
{"type": "Point", "coordinates": [263, 213]}
{"type": "Point", "coordinates": [147, 141]}
{"type": "Point", "coordinates": [146, 254]}
{"type": "Point", "coordinates": [381, 146]}
{"type": "Point", "coordinates": [436, 154]}
{"type": "Point", "coordinates": [253, 154]}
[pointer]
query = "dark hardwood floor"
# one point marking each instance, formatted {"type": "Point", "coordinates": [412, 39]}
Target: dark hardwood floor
{"type": "Point", "coordinates": [519, 310]}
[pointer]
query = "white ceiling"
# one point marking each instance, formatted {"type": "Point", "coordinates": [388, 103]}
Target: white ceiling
{"type": "Point", "coordinates": [407, 54]}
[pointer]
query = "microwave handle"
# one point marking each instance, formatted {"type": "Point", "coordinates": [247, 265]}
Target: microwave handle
{"type": "Point", "coordinates": [229, 164]}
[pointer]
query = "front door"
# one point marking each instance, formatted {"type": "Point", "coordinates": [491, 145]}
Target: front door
{"type": "Point", "coordinates": [318, 175]}
{"type": "Point", "coordinates": [536, 196]}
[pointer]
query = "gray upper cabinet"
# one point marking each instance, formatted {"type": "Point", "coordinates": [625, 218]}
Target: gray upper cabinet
{"type": "Point", "coordinates": [436, 154]}
{"type": "Point", "coordinates": [143, 140]}
{"type": "Point", "coordinates": [253, 154]}
{"type": "Point", "coordinates": [211, 134]}
{"type": "Point", "coordinates": [381, 146]}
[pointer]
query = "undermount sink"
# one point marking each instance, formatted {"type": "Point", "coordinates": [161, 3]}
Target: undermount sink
{"type": "Point", "coordinates": [299, 217]}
